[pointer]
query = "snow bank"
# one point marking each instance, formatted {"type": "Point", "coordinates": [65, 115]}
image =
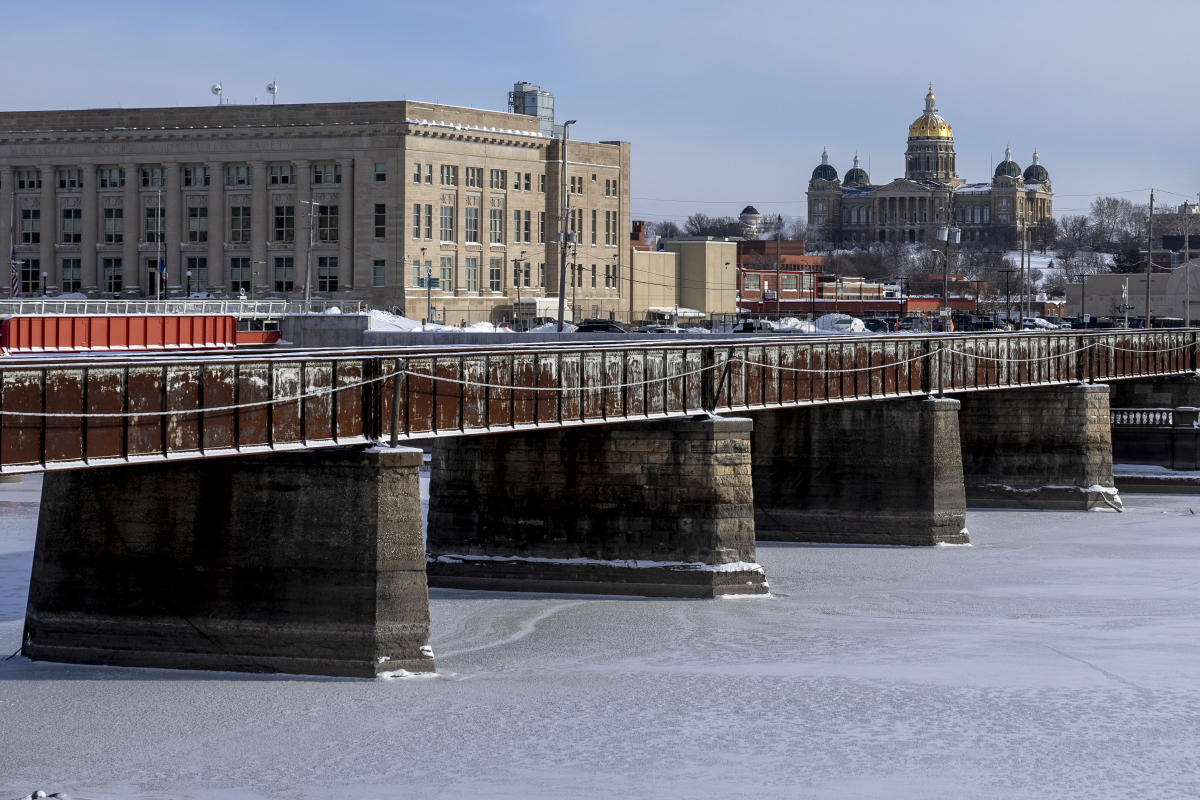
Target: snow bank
{"type": "Point", "coordinates": [840, 323]}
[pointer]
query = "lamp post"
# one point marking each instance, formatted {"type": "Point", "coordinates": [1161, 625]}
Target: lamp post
{"type": "Point", "coordinates": [428, 289]}
{"type": "Point", "coordinates": [312, 210]}
{"type": "Point", "coordinates": [562, 225]}
{"type": "Point", "coordinates": [948, 234]}
{"type": "Point", "coordinates": [1007, 294]}
{"type": "Point", "coordinates": [517, 281]}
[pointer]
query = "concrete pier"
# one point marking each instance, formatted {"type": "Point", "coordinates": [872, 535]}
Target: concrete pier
{"type": "Point", "coordinates": [654, 508]}
{"type": "Point", "coordinates": [883, 472]}
{"type": "Point", "coordinates": [1047, 447]}
{"type": "Point", "coordinates": [1169, 391]}
{"type": "Point", "coordinates": [300, 563]}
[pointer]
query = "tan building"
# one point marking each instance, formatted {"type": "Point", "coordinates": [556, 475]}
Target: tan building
{"type": "Point", "coordinates": [1108, 294]}
{"type": "Point", "coordinates": [366, 199]}
{"type": "Point", "coordinates": [692, 274]}
{"type": "Point", "coordinates": [855, 212]}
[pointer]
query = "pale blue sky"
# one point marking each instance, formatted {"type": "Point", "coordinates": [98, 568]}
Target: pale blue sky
{"type": "Point", "coordinates": [724, 103]}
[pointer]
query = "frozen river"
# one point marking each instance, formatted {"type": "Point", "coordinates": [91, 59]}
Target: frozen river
{"type": "Point", "coordinates": [1057, 657]}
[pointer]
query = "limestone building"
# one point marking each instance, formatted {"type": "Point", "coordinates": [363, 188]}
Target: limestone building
{"type": "Point", "coordinates": [366, 199]}
{"type": "Point", "coordinates": [855, 212]}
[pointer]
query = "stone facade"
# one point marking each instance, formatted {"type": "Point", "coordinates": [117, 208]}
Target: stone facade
{"type": "Point", "coordinates": [383, 190]}
{"type": "Point", "coordinates": [654, 508]}
{"type": "Point", "coordinates": [855, 212]}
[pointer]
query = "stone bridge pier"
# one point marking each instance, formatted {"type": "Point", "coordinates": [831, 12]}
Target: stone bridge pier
{"type": "Point", "coordinates": [882, 472]}
{"type": "Point", "coordinates": [1041, 447]}
{"type": "Point", "coordinates": [305, 562]}
{"type": "Point", "coordinates": [651, 508]}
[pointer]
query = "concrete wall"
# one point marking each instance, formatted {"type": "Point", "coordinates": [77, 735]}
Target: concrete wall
{"type": "Point", "coordinates": [661, 508]}
{"type": "Point", "coordinates": [877, 472]}
{"type": "Point", "coordinates": [304, 563]}
{"type": "Point", "coordinates": [1169, 392]}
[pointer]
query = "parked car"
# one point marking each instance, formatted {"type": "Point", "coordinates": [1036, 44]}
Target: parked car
{"type": "Point", "coordinates": [600, 326]}
{"type": "Point", "coordinates": [917, 324]}
{"type": "Point", "coordinates": [875, 325]}
{"type": "Point", "coordinates": [753, 326]}
{"type": "Point", "coordinates": [658, 329]}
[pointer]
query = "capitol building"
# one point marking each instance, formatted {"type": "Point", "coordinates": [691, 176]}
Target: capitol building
{"type": "Point", "coordinates": [855, 212]}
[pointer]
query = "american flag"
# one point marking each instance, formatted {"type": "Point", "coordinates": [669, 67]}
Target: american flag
{"type": "Point", "coordinates": [16, 277]}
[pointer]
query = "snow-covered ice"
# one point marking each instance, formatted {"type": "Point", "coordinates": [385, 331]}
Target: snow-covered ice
{"type": "Point", "coordinates": [1055, 658]}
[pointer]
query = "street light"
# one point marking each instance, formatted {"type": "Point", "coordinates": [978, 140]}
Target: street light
{"type": "Point", "coordinates": [1007, 294]}
{"type": "Point", "coordinates": [948, 235]}
{"type": "Point", "coordinates": [312, 210]}
{"type": "Point", "coordinates": [562, 224]}
{"type": "Point", "coordinates": [517, 281]}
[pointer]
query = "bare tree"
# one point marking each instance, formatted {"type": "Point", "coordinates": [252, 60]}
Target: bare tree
{"type": "Point", "coordinates": [667, 230]}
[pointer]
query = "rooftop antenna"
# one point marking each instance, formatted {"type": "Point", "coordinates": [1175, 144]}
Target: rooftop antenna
{"type": "Point", "coordinates": [216, 89]}
{"type": "Point", "coordinates": [272, 89]}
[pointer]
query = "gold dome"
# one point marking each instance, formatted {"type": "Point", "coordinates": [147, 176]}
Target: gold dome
{"type": "Point", "coordinates": [930, 125]}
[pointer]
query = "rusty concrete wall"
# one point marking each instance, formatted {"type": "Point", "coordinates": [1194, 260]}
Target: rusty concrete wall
{"type": "Point", "coordinates": [1039, 448]}
{"type": "Point", "coordinates": [659, 508]}
{"type": "Point", "coordinates": [303, 563]}
{"type": "Point", "coordinates": [877, 473]}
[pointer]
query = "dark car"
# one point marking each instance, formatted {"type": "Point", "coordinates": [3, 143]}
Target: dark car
{"type": "Point", "coordinates": [753, 326]}
{"type": "Point", "coordinates": [600, 326]}
{"type": "Point", "coordinates": [879, 325]}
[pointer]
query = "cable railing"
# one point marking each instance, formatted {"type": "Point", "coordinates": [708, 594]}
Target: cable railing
{"type": "Point", "coordinates": [242, 309]}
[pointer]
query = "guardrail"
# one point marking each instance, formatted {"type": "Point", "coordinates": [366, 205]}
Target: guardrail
{"type": "Point", "coordinates": [242, 309]}
{"type": "Point", "coordinates": [71, 412]}
{"type": "Point", "coordinates": [1182, 417]}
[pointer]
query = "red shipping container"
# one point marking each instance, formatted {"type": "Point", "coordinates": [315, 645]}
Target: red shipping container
{"type": "Point", "coordinates": [69, 334]}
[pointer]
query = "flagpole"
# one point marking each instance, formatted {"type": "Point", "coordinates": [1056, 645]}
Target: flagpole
{"type": "Point", "coordinates": [160, 267]}
{"type": "Point", "coordinates": [15, 289]}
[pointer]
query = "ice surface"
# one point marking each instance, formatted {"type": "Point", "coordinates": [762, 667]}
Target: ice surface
{"type": "Point", "coordinates": [1056, 658]}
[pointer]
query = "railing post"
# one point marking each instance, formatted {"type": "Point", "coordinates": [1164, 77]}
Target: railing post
{"type": "Point", "coordinates": [708, 378]}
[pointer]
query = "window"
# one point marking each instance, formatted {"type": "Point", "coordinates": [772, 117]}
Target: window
{"type": "Point", "coordinates": [516, 181]}
{"type": "Point", "coordinates": [528, 218]}
{"type": "Point", "coordinates": [472, 232]}
{"type": "Point", "coordinates": [593, 276]}
{"type": "Point", "coordinates": [114, 225]}
{"type": "Point", "coordinates": [516, 227]}
{"type": "Point", "coordinates": [475, 177]}
{"type": "Point", "coordinates": [112, 275]}
{"type": "Point", "coordinates": [239, 224]}
{"type": "Point", "coordinates": [70, 179]}
{"type": "Point", "coordinates": [239, 274]}
{"type": "Point", "coordinates": [31, 276]}
{"type": "Point", "coordinates": [154, 177]}
{"type": "Point", "coordinates": [72, 274]}
{"type": "Point", "coordinates": [238, 176]}
{"type": "Point", "coordinates": [594, 226]}
{"type": "Point", "coordinates": [110, 177]}
{"type": "Point", "coordinates": [326, 173]}
{"type": "Point", "coordinates": [472, 276]}
{"type": "Point", "coordinates": [447, 280]}
{"type": "Point", "coordinates": [416, 220]}
{"type": "Point", "coordinates": [156, 224]}
{"type": "Point", "coordinates": [428, 221]}
{"type": "Point", "coordinates": [327, 277]}
{"type": "Point", "coordinates": [495, 273]}
{"type": "Point", "coordinates": [197, 275]}
{"type": "Point", "coordinates": [542, 183]}
{"type": "Point", "coordinates": [197, 224]}
{"type": "Point", "coordinates": [72, 225]}
{"type": "Point", "coordinates": [380, 220]}
{"type": "Point", "coordinates": [541, 275]}
{"type": "Point", "coordinates": [429, 173]}
{"type": "Point", "coordinates": [285, 273]}
{"type": "Point", "coordinates": [197, 176]}
{"type": "Point", "coordinates": [541, 227]}
{"type": "Point", "coordinates": [528, 180]}
{"type": "Point", "coordinates": [380, 172]}
{"type": "Point", "coordinates": [449, 175]}
{"type": "Point", "coordinates": [608, 281]}
{"type": "Point", "coordinates": [447, 227]}
{"type": "Point", "coordinates": [29, 179]}
{"type": "Point", "coordinates": [416, 172]}
{"type": "Point", "coordinates": [787, 282]}
{"type": "Point", "coordinates": [281, 174]}
{"type": "Point", "coordinates": [285, 224]}
{"type": "Point", "coordinates": [496, 217]}
{"type": "Point", "coordinates": [608, 226]}
{"type": "Point", "coordinates": [378, 273]}
{"type": "Point", "coordinates": [499, 179]}
{"type": "Point", "coordinates": [525, 274]}
{"type": "Point", "coordinates": [327, 223]}
{"type": "Point", "coordinates": [420, 271]}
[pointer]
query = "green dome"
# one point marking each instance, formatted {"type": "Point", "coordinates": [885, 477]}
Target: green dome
{"type": "Point", "coordinates": [824, 172]}
{"type": "Point", "coordinates": [1008, 169]}
{"type": "Point", "coordinates": [857, 177]}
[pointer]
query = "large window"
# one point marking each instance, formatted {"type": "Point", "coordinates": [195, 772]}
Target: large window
{"type": "Point", "coordinates": [197, 275]}
{"type": "Point", "coordinates": [327, 223]}
{"type": "Point", "coordinates": [110, 177]}
{"type": "Point", "coordinates": [29, 178]}
{"type": "Point", "coordinates": [380, 172]}
{"type": "Point", "coordinates": [475, 177]}
{"type": "Point", "coordinates": [239, 275]}
{"type": "Point", "coordinates": [495, 273]}
{"type": "Point", "coordinates": [114, 225]}
{"type": "Point", "coordinates": [421, 271]}
{"type": "Point", "coordinates": [197, 224]}
{"type": "Point", "coordinates": [285, 273]}
{"type": "Point", "coordinates": [472, 227]}
{"type": "Point", "coordinates": [496, 216]}
{"type": "Point", "coordinates": [31, 226]}
{"type": "Point", "coordinates": [499, 178]}
{"type": "Point", "coordinates": [416, 220]}
{"type": "Point", "coordinates": [379, 273]}
{"type": "Point", "coordinates": [156, 224]}
{"type": "Point", "coordinates": [428, 221]}
{"type": "Point", "coordinates": [285, 224]}
{"type": "Point", "coordinates": [72, 274]}
{"type": "Point", "coordinates": [197, 176]}
{"type": "Point", "coordinates": [380, 220]}
{"type": "Point", "coordinates": [446, 284]}
{"type": "Point", "coordinates": [238, 176]}
{"type": "Point", "coordinates": [31, 276]}
{"type": "Point", "coordinates": [447, 223]}
{"type": "Point", "coordinates": [472, 276]}
{"type": "Point", "coordinates": [281, 174]}
{"type": "Point", "coordinates": [72, 226]}
{"type": "Point", "coordinates": [449, 175]}
{"type": "Point", "coordinates": [327, 173]}
{"type": "Point", "coordinates": [594, 226]}
{"type": "Point", "coordinates": [70, 179]}
{"type": "Point", "coordinates": [327, 274]}
{"type": "Point", "coordinates": [112, 275]}
{"type": "Point", "coordinates": [239, 224]}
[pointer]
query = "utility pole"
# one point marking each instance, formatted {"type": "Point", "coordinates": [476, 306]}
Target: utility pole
{"type": "Point", "coordinates": [517, 281]}
{"type": "Point", "coordinates": [1187, 273]}
{"type": "Point", "coordinates": [1149, 256]}
{"type": "Point", "coordinates": [778, 261]}
{"type": "Point", "coordinates": [562, 225]}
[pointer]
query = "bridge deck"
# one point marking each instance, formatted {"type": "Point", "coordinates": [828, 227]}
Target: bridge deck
{"type": "Point", "coordinates": [64, 412]}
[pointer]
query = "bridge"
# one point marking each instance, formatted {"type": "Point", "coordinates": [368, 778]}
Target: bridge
{"type": "Point", "coordinates": [261, 511]}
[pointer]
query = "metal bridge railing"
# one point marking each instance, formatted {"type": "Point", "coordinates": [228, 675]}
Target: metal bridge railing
{"type": "Point", "coordinates": [242, 309]}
